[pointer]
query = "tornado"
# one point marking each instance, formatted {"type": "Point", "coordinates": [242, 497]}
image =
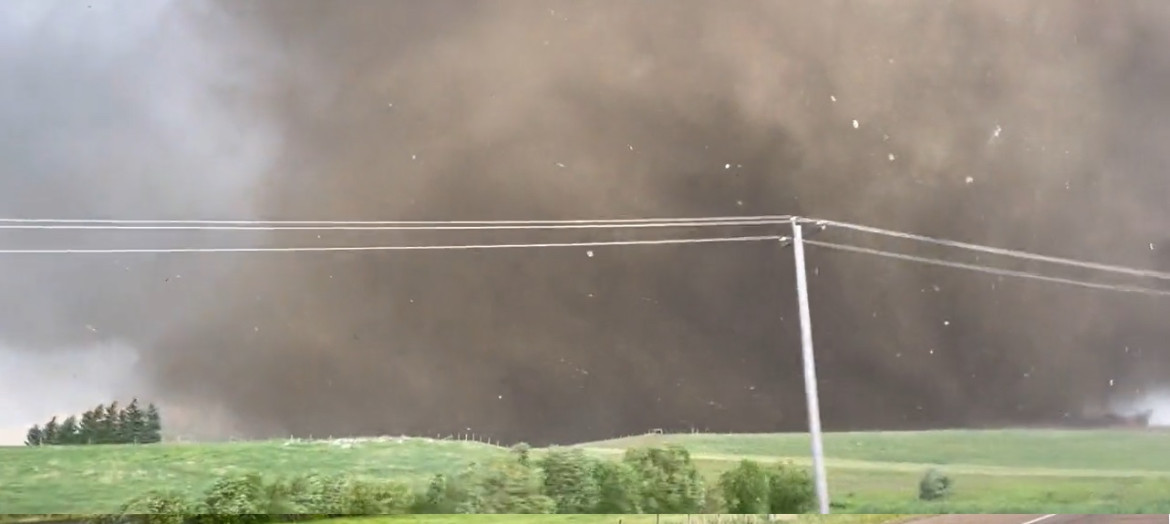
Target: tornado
{"type": "Point", "coordinates": [1022, 124]}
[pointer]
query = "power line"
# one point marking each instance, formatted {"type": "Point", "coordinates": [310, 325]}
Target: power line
{"type": "Point", "coordinates": [414, 223]}
{"type": "Point", "coordinates": [996, 251]}
{"type": "Point", "coordinates": [987, 269]}
{"type": "Point", "coordinates": [471, 225]}
{"type": "Point", "coordinates": [579, 224]}
{"type": "Point", "coordinates": [432, 247]}
{"type": "Point", "coordinates": [403, 226]}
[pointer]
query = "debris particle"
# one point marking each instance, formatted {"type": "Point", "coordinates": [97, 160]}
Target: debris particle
{"type": "Point", "coordinates": [970, 180]}
{"type": "Point", "coordinates": [726, 166]}
{"type": "Point", "coordinates": [560, 165]}
{"type": "Point", "coordinates": [589, 253]}
{"type": "Point", "coordinates": [856, 124]}
{"type": "Point", "coordinates": [1151, 246]}
{"type": "Point", "coordinates": [946, 322]}
{"type": "Point", "coordinates": [414, 157]}
{"type": "Point", "coordinates": [1110, 382]}
{"type": "Point", "coordinates": [892, 157]}
{"type": "Point", "coordinates": [832, 98]}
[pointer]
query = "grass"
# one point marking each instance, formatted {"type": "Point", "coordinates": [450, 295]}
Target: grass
{"type": "Point", "coordinates": [614, 519]}
{"type": "Point", "coordinates": [96, 479]}
{"type": "Point", "coordinates": [1018, 471]}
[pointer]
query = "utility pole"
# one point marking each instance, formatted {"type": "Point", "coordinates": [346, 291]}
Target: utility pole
{"type": "Point", "coordinates": [810, 370]}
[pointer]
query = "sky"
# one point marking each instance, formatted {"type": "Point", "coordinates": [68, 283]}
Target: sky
{"type": "Point", "coordinates": [1023, 124]}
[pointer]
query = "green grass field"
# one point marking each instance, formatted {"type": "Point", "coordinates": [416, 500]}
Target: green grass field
{"type": "Point", "coordinates": [1018, 471]}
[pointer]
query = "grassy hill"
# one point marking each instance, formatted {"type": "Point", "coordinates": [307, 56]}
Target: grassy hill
{"type": "Point", "coordinates": [995, 471]}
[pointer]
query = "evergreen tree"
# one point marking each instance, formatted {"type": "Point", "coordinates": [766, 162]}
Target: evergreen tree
{"type": "Point", "coordinates": [35, 436]}
{"type": "Point", "coordinates": [87, 428]}
{"type": "Point", "coordinates": [67, 433]}
{"type": "Point", "coordinates": [133, 424]}
{"type": "Point", "coordinates": [101, 430]}
{"type": "Point", "coordinates": [152, 431]}
{"type": "Point", "coordinates": [109, 423]}
{"type": "Point", "coordinates": [49, 433]}
{"type": "Point", "coordinates": [125, 433]}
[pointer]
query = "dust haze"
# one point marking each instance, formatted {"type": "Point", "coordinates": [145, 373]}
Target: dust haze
{"type": "Point", "coordinates": [1023, 124]}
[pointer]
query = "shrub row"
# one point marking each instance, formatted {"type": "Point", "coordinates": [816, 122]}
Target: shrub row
{"type": "Point", "coordinates": [646, 480]}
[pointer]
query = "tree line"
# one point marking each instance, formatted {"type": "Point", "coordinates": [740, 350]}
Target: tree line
{"type": "Point", "coordinates": [104, 424]}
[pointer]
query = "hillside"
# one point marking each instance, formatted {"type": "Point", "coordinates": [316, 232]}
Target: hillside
{"type": "Point", "coordinates": [995, 471]}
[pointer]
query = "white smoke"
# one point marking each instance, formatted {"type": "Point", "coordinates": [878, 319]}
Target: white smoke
{"type": "Point", "coordinates": [1156, 402]}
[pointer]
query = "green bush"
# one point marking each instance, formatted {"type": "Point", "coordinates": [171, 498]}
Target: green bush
{"type": "Point", "coordinates": [668, 480]}
{"type": "Point", "coordinates": [307, 497]}
{"type": "Point", "coordinates": [443, 496]}
{"type": "Point", "coordinates": [934, 485]}
{"type": "Point", "coordinates": [502, 485]}
{"type": "Point", "coordinates": [376, 497]}
{"type": "Point", "coordinates": [155, 507]}
{"type": "Point", "coordinates": [236, 499]}
{"type": "Point", "coordinates": [745, 489]}
{"type": "Point", "coordinates": [658, 480]}
{"type": "Point", "coordinates": [522, 451]}
{"type": "Point", "coordinates": [790, 490]}
{"type": "Point", "coordinates": [618, 488]}
{"type": "Point", "coordinates": [569, 480]}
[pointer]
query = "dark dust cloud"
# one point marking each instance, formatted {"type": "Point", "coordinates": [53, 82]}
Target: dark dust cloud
{"type": "Point", "coordinates": [1023, 124]}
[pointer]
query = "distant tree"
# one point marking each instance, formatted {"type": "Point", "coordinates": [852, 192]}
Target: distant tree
{"type": "Point", "coordinates": [49, 434]}
{"type": "Point", "coordinates": [105, 424]}
{"type": "Point", "coordinates": [100, 434]}
{"type": "Point", "coordinates": [132, 424]}
{"type": "Point", "coordinates": [67, 434]}
{"type": "Point", "coordinates": [87, 428]}
{"type": "Point", "coordinates": [108, 422]}
{"type": "Point", "coordinates": [34, 437]}
{"type": "Point", "coordinates": [153, 430]}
